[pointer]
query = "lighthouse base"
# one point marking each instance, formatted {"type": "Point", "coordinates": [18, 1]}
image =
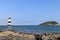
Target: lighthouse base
{"type": "Point", "coordinates": [9, 27]}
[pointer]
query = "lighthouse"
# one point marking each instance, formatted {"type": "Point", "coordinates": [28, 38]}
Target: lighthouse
{"type": "Point", "coordinates": [9, 23]}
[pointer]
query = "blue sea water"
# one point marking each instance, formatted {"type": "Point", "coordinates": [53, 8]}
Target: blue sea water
{"type": "Point", "coordinates": [34, 29]}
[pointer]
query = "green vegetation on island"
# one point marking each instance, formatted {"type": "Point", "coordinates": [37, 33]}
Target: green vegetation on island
{"type": "Point", "coordinates": [50, 23]}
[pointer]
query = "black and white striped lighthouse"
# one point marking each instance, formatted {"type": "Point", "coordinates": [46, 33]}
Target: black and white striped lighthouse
{"type": "Point", "coordinates": [9, 23]}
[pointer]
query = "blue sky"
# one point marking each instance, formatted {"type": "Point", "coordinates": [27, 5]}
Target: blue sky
{"type": "Point", "coordinates": [29, 12]}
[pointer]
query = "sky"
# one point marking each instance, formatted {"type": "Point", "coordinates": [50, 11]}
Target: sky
{"type": "Point", "coordinates": [29, 12]}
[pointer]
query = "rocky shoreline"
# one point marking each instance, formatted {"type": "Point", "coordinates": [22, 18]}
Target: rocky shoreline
{"type": "Point", "coordinates": [12, 35]}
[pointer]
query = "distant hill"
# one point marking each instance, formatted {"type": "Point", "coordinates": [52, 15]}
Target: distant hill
{"type": "Point", "coordinates": [52, 23]}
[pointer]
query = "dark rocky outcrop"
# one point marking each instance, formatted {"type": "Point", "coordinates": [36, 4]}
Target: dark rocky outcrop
{"type": "Point", "coordinates": [38, 37]}
{"type": "Point", "coordinates": [57, 38]}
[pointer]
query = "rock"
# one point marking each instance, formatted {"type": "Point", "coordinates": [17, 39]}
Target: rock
{"type": "Point", "coordinates": [9, 35]}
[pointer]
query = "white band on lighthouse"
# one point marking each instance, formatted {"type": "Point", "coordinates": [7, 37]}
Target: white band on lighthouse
{"type": "Point", "coordinates": [9, 20]}
{"type": "Point", "coordinates": [9, 23]}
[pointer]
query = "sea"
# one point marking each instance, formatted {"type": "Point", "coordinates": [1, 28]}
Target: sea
{"type": "Point", "coordinates": [33, 29]}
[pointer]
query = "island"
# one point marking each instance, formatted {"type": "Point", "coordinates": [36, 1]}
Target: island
{"type": "Point", "coordinates": [50, 23]}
